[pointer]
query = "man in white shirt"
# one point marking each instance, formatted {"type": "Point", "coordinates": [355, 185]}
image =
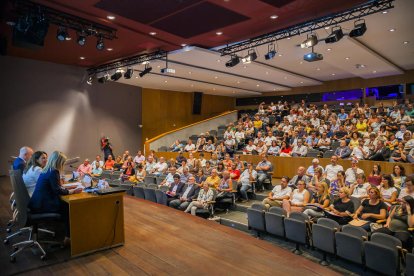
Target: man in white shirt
{"type": "Point", "coordinates": [269, 139]}
{"type": "Point", "coordinates": [360, 152]}
{"type": "Point", "coordinates": [249, 148]}
{"type": "Point", "coordinates": [352, 172]}
{"type": "Point", "coordinates": [246, 178]}
{"type": "Point", "coordinates": [311, 169]}
{"type": "Point", "coordinates": [160, 168]}
{"type": "Point", "coordinates": [190, 147]}
{"type": "Point", "coordinates": [97, 160]}
{"type": "Point", "coordinates": [170, 177]}
{"type": "Point", "coordinates": [299, 150]}
{"type": "Point", "coordinates": [331, 170]}
{"type": "Point", "coordinates": [278, 194]}
{"type": "Point", "coordinates": [139, 158]}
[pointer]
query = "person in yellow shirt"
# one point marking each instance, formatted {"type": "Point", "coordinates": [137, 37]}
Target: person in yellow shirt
{"type": "Point", "coordinates": [257, 123]}
{"type": "Point", "coordinates": [213, 180]}
{"type": "Point", "coordinates": [361, 125]}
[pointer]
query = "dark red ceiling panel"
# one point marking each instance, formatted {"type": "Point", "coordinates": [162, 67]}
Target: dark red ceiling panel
{"type": "Point", "coordinates": [199, 19]}
{"type": "Point", "coordinates": [144, 11]}
{"type": "Point", "coordinates": [278, 3]}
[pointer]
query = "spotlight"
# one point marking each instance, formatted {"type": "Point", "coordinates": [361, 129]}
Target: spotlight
{"type": "Point", "coordinates": [234, 60]}
{"type": "Point", "coordinates": [62, 34]}
{"type": "Point", "coordinates": [100, 44]}
{"type": "Point", "coordinates": [82, 38]}
{"type": "Point", "coordinates": [335, 36]}
{"type": "Point", "coordinates": [90, 80]}
{"type": "Point", "coordinates": [310, 57]}
{"type": "Point", "coordinates": [310, 41]}
{"type": "Point", "coordinates": [145, 71]}
{"type": "Point", "coordinates": [271, 52]}
{"type": "Point", "coordinates": [128, 74]}
{"type": "Point", "coordinates": [251, 56]}
{"type": "Point", "coordinates": [359, 29]}
{"type": "Point", "coordinates": [116, 76]}
{"type": "Point", "coordinates": [103, 79]}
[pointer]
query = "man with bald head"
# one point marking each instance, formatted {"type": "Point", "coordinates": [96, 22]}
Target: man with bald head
{"type": "Point", "coordinates": [301, 175]}
{"type": "Point", "coordinates": [24, 155]}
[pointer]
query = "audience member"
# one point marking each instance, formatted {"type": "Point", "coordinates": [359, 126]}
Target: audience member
{"type": "Point", "coordinates": [278, 194]}
{"type": "Point", "coordinates": [371, 209]}
{"type": "Point", "coordinates": [205, 195]}
{"type": "Point", "coordinates": [297, 199]}
{"type": "Point", "coordinates": [24, 156]}
{"type": "Point", "coordinates": [33, 170]}
{"type": "Point", "coordinates": [247, 179]}
{"type": "Point", "coordinates": [342, 208]}
{"type": "Point", "coordinates": [189, 193]}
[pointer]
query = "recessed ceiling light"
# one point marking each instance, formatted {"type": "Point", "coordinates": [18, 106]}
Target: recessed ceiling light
{"type": "Point", "coordinates": [183, 45]}
{"type": "Point", "coordinates": [82, 57]}
{"type": "Point", "coordinates": [406, 42]}
{"type": "Point", "coordinates": [274, 16]}
{"type": "Point", "coordinates": [333, 74]}
{"type": "Point", "coordinates": [374, 72]}
{"type": "Point", "coordinates": [218, 60]}
{"type": "Point", "coordinates": [359, 66]}
{"type": "Point", "coordinates": [301, 62]}
{"type": "Point", "coordinates": [267, 73]}
{"type": "Point", "coordinates": [152, 33]}
{"type": "Point", "coordinates": [68, 38]}
{"type": "Point", "coordinates": [318, 69]}
{"type": "Point", "coordinates": [257, 85]}
{"type": "Point", "coordinates": [329, 49]}
{"type": "Point", "coordinates": [165, 81]}
{"type": "Point", "coordinates": [301, 82]}
{"type": "Point", "coordinates": [327, 28]}
{"type": "Point", "coordinates": [215, 77]}
{"type": "Point", "coordinates": [136, 77]}
{"type": "Point", "coordinates": [110, 17]}
{"type": "Point", "coordinates": [288, 38]}
{"type": "Point", "coordinates": [238, 81]}
{"type": "Point", "coordinates": [280, 55]}
{"type": "Point", "coordinates": [109, 49]}
{"type": "Point", "coordinates": [347, 58]}
{"type": "Point", "coordinates": [219, 33]}
{"type": "Point", "coordinates": [158, 66]}
{"type": "Point", "coordinates": [189, 72]}
{"type": "Point", "coordinates": [385, 12]}
{"type": "Point", "coordinates": [392, 30]}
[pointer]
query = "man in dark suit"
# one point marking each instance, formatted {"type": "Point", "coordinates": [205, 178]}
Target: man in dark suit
{"type": "Point", "coordinates": [175, 190]}
{"type": "Point", "coordinates": [381, 153]}
{"type": "Point", "coordinates": [24, 155]}
{"type": "Point", "coordinates": [189, 193]}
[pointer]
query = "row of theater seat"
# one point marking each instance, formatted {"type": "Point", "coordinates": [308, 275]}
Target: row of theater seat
{"type": "Point", "coordinates": [381, 253]}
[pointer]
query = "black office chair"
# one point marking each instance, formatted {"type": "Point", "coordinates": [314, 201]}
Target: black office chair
{"type": "Point", "coordinates": [26, 219]}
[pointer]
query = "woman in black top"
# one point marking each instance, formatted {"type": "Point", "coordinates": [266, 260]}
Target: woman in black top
{"type": "Point", "coordinates": [400, 219]}
{"type": "Point", "coordinates": [371, 209]}
{"type": "Point", "coordinates": [342, 207]}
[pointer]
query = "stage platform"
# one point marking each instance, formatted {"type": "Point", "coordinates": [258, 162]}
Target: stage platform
{"type": "Point", "coordinates": [163, 241]}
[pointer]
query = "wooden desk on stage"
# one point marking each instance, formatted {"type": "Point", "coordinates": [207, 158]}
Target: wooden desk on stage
{"type": "Point", "coordinates": [96, 222]}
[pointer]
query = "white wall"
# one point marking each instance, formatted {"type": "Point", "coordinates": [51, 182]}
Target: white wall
{"type": "Point", "coordinates": [50, 107]}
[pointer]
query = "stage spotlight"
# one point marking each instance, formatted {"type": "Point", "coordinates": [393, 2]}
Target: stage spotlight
{"type": "Point", "coordinates": [116, 76]}
{"type": "Point", "coordinates": [310, 41]}
{"type": "Point", "coordinates": [234, 60]}
{"type": "Point", "coordinates": [359, 28]}
{"type": "Point", "coordinates": [146, 70]}
{"type": "Point", "coordinates": [128, 74]}
{"type": "Point", "coordinates": [335, 36]}
{"type": "Point", "coordinates": [90, 80]}
{"type": "Point", "coordinates": [251, 56]}
{"type": "Point", "coordinates": [310, 57]}
{"type": "Point", "coordinates": [62, 34]}
{"type": "Point", "coordinates": [100, 43]}
{"type": "Point", "coordinates": [82, 39]}
{"type": "Point", "coordinates": [103, 79]}
{"type": "Point", "coordinates": [271, 52]}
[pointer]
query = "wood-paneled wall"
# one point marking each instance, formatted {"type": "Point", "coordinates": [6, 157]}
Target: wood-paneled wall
{"type": "Point", "coordinates": [163, 110]}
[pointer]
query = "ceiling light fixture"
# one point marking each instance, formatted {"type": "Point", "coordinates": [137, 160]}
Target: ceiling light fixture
{"type": "Point", "coordinates": [251, 56]}
{"type": "Point", "coordinates": [406, 42]}
{"type": "Point", "coordinates": [359, 28]}
{"type": "Point", "coordinates": [234, 60]}
{"type": "Point", "coordinates": [312, 56]}
{"type": "Point", "coordinates": [274, 16]}
{"type": "Point", "coordinates": [82, 58]}
{"type": "Point", "coordinates": [104, 78]}
{"type": "Point", "coordinates": [111, 17]}
{"type": "Point", "coordinates": [100, 45]}
{"type": "Point", "coordinates": [128, 74]}
{"type": "Point", "coordinates": [109, 49]}
{"type": "Point", "coordinates": [62, 33]}
{"type": "Point", "coordinates": [90, 80]}
{"type": "Point", "coordinates": [219, 33]}
{"type": "Point", "coordinates": [336, 35]}
{"type": "Point", "coordinates": [310, 41]}
{"type": "Point", "coordinates": [116, 76]}
{"type": "Point", "coordinates": [147, 69]}
{"type": "Point", "coordinates": [167, 70]}
{"type": "Point", "coordinates": [392, 30]}
{"type": "Point", "coordinates": [152, 33]}
{"type": "Point", "coordinates": [82, 38]}
{"type": "Point", "coordinates": [271, 51]}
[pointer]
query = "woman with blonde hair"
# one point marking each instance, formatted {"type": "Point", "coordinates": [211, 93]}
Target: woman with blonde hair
{"type": "Point", "coordinates": [46, 196]}
{"type": "Point", "coordinates": [319, 201]}
{"type": "Point", "coordinates": [342, 207]}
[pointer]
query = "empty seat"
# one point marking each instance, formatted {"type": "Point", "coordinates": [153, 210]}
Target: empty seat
{"type": "Point", "coordinates": [139, 192]}
{"type": "Point", "coordinates": [313, 153]}
{"type": "Point", "coordinates": [323, 237]}
{"type": "Point", "coordinates": [297, 229]}
{"type": "Point", "coordinates": [409, 264]}
{"type": "Point", "coordinates": [256, 218]}
{"type": "Point", "coordinates": [160, 179]}
{"type": "Point", "coordinates": [350, 243]}
{"type": "Point", "coordinates": [149, 179]}
{"type": "Point", "coordinates": [382, 254]}
{"type": "Point", "coordinates": [150, 194]}
{"type": "Point", "coordinates": [275, 221]}
{"type": "Point", "coordinates": [328, 154]}
{"type": "Point", "coordinates": [161, 197]}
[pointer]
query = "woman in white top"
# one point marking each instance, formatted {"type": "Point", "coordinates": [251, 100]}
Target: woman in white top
{"type": "Point", "coordinates": [409, 188]}
{"type": "Point", "coordinates": [388, 192]}
{"type": "Point", "coordinates": [298, 199]}
{"type": "Point", "coordinates": [33, 170]}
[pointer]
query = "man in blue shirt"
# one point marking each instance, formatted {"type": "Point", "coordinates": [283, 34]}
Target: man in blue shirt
{"type": "Point", "coordinates": [24, 156]}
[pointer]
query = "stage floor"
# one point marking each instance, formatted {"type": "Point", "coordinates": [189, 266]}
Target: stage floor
{"type": "Point", "coordinates": [163, 241]}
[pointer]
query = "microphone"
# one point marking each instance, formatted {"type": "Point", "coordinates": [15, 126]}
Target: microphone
{"type": "Point", "coordinates": [72, 161]}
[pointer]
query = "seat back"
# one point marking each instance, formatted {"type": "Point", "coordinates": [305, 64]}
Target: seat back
{"type": "Point", "coordinates": [356, 201]}
{"type": "Point", "coordinates": [106, 175]}
{"type": "Point", "coordinates": [275, 221]}
{"type": "Point", "coordinates": [115, 183]}
{"type": "Point", "coordinates": [160, 179]}
{"type": "Point", "coordinates": [328, 154]}
{"type": "Point", "coordinates": [116, 175]}
{"type": "Point", "coordinates": [255, 217]}
{"type": "Point", "coordinates": [164, 188]}
{"type": "Point", "coordinates": [323, 234]}
{"type": "Point", "coordinates": [21, 197]}
{"type": "Point", "coordinates": [409, 264]}
{"type": "Point", "coordinates": [152, 186]}
{"type": "Point", "coordinates": [149, 179]}
{"type": "Point", "coordinates": [150, 195]}
{"type": "Point", "coordinates": [139, 192]}
{"type": "Point", "coordinates": [386, 240]}
{"type": "Point", "coordinates": [161, 197]}
{"type": "Point", "coordinates": [128, 188]}
{"type": "Point", "coordinates": [296, 227]}
{"type": "Point", "coordinates": [350, 243]}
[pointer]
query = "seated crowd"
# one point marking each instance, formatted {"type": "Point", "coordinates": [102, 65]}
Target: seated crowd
{"type": "Point", "coordinates": [379, 134]}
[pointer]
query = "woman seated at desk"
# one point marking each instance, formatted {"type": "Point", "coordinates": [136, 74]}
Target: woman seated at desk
{"type": "Point", "coordinates": [46, 196]}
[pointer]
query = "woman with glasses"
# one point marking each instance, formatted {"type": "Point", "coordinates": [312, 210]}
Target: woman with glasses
{"type": "Point", "coordinates": [298, 199]}
{"type": "Point", "coordinates": [371, 209]}
{"type": "Point", "coordinates": [342, 208]}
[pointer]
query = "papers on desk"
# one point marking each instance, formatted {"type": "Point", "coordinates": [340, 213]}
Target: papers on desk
{"type": "Point", "coordinates": [73, 185]}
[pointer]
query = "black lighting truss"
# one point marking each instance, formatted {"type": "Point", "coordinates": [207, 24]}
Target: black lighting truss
{"type": "Point", "coordinates": [357, 12]}
{"type": "Point", "coordinates": [126, 62]}
{"type": "Point", "coordinates": [62, 19]}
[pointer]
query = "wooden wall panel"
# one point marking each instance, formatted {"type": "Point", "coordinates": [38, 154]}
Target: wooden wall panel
{"type": "Point", "coordinates": [163, 110]}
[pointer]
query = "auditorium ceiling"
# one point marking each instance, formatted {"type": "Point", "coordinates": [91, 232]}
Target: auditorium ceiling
{"type": "Point", "coordinates": [193, 29]}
